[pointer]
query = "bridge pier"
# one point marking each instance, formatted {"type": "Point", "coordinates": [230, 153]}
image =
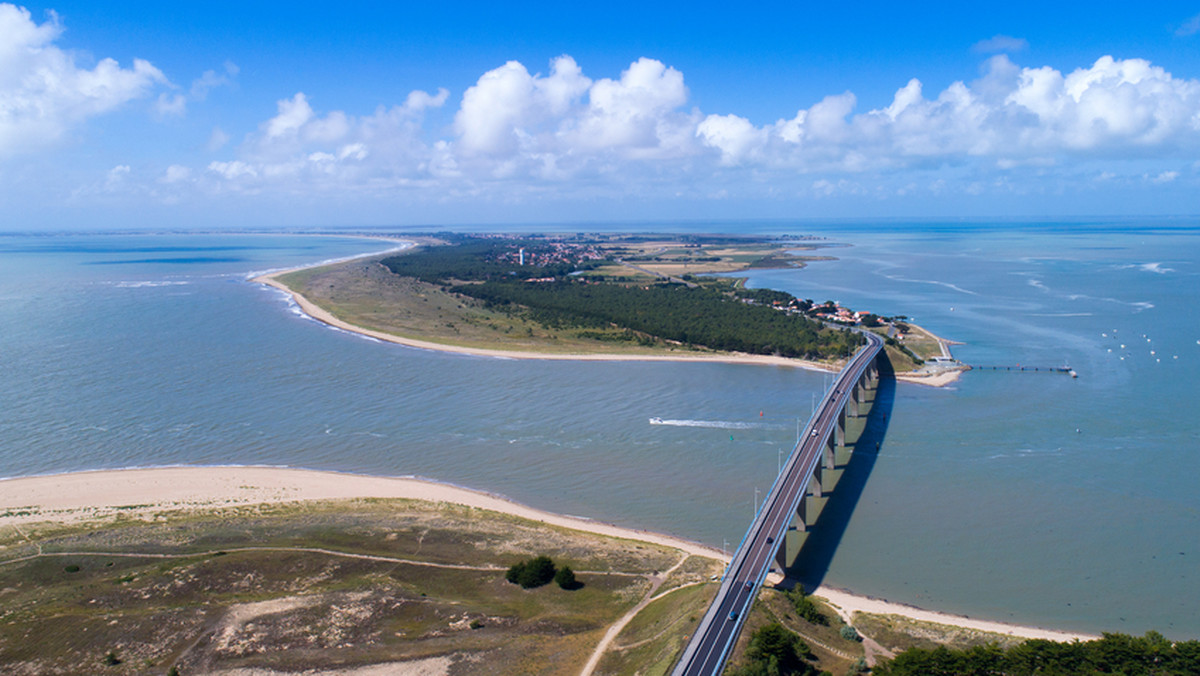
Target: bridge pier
{"type": "Point", "coordinates": [834, 455]}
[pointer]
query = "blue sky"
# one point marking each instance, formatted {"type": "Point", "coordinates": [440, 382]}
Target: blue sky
{"type": "Point", "coordinates": [226, 115]}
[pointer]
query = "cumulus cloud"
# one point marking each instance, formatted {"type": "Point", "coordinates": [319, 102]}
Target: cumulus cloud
{"type": "Point", "coordinates": [302, 148]}
{"type": "Point", "coordinates": [44, 93]}
{"type": "Point", "coordinates": [635, 132]}
{"type": "Point", "coordinates": [507, 106]}
{"type": "Point", "coordinates": [1113, 108]}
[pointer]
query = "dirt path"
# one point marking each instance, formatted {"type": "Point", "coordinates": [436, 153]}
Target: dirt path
{"type": "Point", "coordinates": [656, 581]}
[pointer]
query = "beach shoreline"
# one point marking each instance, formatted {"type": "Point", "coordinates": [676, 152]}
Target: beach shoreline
{"type": "Point", "coordinates": [145, 493]}
{"type": "Point", "coordinates": [318, 313]}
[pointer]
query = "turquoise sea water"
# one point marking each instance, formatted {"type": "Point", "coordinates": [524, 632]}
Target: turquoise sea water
{"type": "Point", "coordinates": [1025, 497]}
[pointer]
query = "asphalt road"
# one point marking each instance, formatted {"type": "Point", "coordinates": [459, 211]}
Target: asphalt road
{"type": "Point", "coordinates": [718, 631]}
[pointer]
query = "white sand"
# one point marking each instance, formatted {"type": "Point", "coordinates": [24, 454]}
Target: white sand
{"type": "Point", "coordinates": [140, 492]}
{"type": "Point", "coordinates": [849, 603]}
{"type": "Point", "coordinates": [83, 495]}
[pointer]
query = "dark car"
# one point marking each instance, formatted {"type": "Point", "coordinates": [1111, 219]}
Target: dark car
{"type": "Point", "coordinates": [732, 615]}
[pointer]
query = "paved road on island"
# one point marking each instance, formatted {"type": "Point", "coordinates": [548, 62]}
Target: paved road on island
{"type": "Point", "coordinates": [718, 631]}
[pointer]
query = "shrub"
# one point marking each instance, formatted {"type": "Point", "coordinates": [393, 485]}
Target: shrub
{"type": "Point", "coordinates": [849, 633]}
{"type": "Point", "coordinates": [532, 573]}
{"type": "Point", "coordinates": [565, 578]}
{"type": "Point", "coordinates": [805, 607]}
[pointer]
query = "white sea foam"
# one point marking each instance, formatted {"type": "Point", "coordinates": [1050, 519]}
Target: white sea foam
{"type": "Point", "coordinates": [716, 424]}
{"type": "Point", "coordinates": [148, 284]}
{"type": "Point", "coordinates": [1155, 267]}
{"type": "Point", "coordinates": [329, 261]}
{"type": "Point", "coordinates": [948, 285]}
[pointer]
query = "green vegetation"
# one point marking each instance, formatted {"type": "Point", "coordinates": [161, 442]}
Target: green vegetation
{"type": "Point", "coordinates": [535, 572]}
{"type": "Point", "coordinates": [550, 291]}
{"type": "Point", "coordinates": [805, 608]}
{"type": "Point", "coordinates": [673, 312]}
{"type": "Point", "coordinates": [827, 651]}
{"type": "Point", "coordinates": [565, 579]}
{"type": "Point", "coordinates": [655, 637]}
{"type": "Point", "coordinates": [775, 651]}
{"type": "Point", "coordinates": [317, 587]}
{"type": "Point", "coordinates": [1151, 654]}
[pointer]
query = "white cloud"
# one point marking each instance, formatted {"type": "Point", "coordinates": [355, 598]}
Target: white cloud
{"type": "Point", "coordinates": [211, 79]}
{"type": "Point", "coordinates": [1114, 108]}
{"type": "Point", "coordinates": [503, 110]}
{"type": "Point", "coordinates": [294, 113]}
{"type": "Point", "coordinates": [1000, 43]}
{"type": "Point", "coordinates": [1166, 177]}
{"type": "Point", "coordinates": [176, 174]}
{"type": "Point", "coordinates": [734, 136]}
{"type": "Point", "coordinates": [170, 104]}
{"type": "Point", "coordinates": [521, 133]}
{"type": "Point", "coordinates": [233, 171]}
{"type": "Point", "coordinates": [636, 112]}
{"type": "Point", "coordinates": [1189, 27]}
{"type": "Point", "coordinates": [43, 93]}
{"type": "Point", "coordinates": [217, 140]}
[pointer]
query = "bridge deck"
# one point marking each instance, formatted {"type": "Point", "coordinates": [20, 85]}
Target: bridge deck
{"type": "Point", "coordinates": [718, 631]}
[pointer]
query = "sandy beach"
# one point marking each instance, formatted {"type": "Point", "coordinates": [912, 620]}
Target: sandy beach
{"type": "Point", "coordinates": [321, 315]}
{"type": "Point", "coordinates": [143, 492]}
{"type": "Point", "coordinates": [939, 379]}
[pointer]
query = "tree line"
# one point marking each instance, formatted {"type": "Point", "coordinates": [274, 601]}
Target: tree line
{"type": "Point", "coordinates": [673, 312]}
{"type": "Point", "coordinates": [482, 267]}
{"type": "Point", "coordinates": [1149, 655]}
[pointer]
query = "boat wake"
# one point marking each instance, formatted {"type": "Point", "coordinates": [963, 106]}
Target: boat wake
{"type": "Point", "coordinates": [716, 424]}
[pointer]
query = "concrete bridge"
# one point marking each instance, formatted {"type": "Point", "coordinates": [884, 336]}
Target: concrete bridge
{"type": "Point", "coordinates": [783, 511]}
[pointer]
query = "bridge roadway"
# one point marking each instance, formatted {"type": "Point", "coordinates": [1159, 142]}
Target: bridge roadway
{"type": "Point", "coordinates": [710, 646]}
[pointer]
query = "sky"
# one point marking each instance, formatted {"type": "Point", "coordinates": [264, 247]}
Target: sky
{"type": "Point", "coordinates": [221, 115]}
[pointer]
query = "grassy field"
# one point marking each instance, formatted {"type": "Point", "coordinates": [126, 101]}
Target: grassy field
{"type": "Point", "coordinates": [898, 633]}
{"type": "Point", "coordinates": [329, 586]}
{"type": "Point", "coordinates": [364, 293]}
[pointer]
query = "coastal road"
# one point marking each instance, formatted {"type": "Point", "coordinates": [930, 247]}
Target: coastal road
{"type": "Point", "coordinates": [718, 631]}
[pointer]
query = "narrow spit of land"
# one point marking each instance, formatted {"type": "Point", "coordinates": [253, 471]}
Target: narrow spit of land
{"type": "Point", "coordinates": [569, 298]}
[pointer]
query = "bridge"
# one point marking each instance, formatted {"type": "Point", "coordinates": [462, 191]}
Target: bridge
{"type": "Point", "coordinates": [765, 541]}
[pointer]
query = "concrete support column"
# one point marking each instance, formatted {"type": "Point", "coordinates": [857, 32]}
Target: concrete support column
{"type": "Point", "coordinates": [815, 484]}
{"type": "Point", "coordinates": [830, 447]}
{"type": "Point", "coordinates": [839, 430]}
{"type": "Point", "coordinates": [852, 402]}
{"type": "Point", "coordinates": [801, 519]}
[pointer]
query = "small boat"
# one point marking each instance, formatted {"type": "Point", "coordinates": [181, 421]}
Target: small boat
{"type": "Point", "coordinates": [656, 421]}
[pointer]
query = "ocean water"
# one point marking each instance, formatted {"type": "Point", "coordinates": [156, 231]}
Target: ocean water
{"type": "Point", "coordinates": [1033, 498]}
